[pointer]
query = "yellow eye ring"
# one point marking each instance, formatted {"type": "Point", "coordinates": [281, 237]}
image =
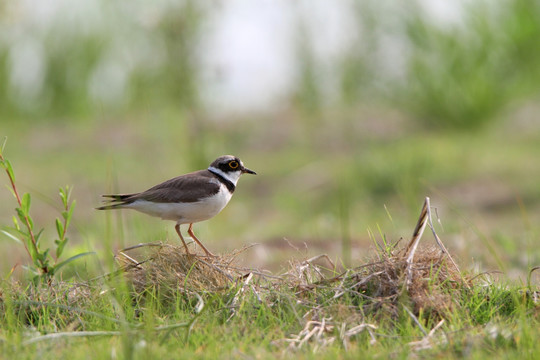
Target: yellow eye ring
{"type": "Point", "coordinates": [233, 164]}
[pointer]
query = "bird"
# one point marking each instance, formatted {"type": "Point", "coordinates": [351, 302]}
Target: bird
{"type": "Point", "coordinates": [186, 199]}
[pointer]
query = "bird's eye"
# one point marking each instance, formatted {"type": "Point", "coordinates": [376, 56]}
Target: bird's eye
{"type": "Point", "coordinates": [233, 164]}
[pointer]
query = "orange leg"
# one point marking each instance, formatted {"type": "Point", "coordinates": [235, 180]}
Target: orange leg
{"type": "Point", "coordinates": [190, 232]}
{"type": "Point", "coordinates": [177, 228]}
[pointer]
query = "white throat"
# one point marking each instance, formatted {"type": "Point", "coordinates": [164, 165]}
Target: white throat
{"type": "Point", "coordinates": [231, 176]}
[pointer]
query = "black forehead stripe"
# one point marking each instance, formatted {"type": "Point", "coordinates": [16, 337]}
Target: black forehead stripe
{"type": "Point", "coordinates": [223, 160]}
{"type": "Point", "coordinates": [224, 181]}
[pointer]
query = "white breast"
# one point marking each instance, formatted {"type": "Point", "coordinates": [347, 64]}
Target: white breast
{"type": "Point", "coordinates": [185, 213]}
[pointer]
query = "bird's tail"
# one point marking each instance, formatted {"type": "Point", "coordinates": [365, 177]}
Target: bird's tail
{"type": "Point", "coordinates": [112, 206]}
{"type": "Point", "coordinates": [119, 200]}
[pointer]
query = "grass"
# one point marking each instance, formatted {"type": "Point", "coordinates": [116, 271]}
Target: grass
{"type": "Point", "coordinates": [371, 310]}
{"type": "Point", "coordinates": [336, 177]}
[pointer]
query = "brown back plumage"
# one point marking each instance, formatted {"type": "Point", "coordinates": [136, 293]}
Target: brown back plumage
{"type": "Point", "coordinates": [187, 188]}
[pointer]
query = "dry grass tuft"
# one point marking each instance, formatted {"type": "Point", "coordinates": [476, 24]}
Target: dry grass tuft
{"type": "Point", "coordinates": [423, 279]}
{"type": "Point", "coordinates": [168, 269]}
{"type": "Point", "coordinates": [431, 290]}
{"type": "Point", "coordinates": [426, 278]}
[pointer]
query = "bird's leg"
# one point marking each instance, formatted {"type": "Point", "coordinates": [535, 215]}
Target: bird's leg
{"type": "Point", "coordinates": [190, 232]}
{"type": "Point", "coordinates": [177, 228]}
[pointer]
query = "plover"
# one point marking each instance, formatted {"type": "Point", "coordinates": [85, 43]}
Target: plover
{"type": "Point", "coordinates": [188, 198]}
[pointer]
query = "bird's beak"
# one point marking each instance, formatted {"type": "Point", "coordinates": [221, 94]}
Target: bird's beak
{"type": "Point", "coordinates": [246, 170]}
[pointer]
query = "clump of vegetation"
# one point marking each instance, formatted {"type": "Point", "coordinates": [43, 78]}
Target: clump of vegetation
{"type": "Point", "coordinates": [424, 281]}
{"type": "Point", "coordinates": [461, 76]}
{"type": "Point", "coordinates": [168, 270]}
{"type": "Point", "coordinates": [44, 265]}
{"type": "Point", "coordinates": [424, 278]}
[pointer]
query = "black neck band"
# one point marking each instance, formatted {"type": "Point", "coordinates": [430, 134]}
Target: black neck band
{"type": "Point", "coordinates": [228, 183]}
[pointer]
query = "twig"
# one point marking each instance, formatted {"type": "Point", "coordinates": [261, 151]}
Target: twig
{"type": "Point", "coordinates": [438, 240]}
{"type": "Point", "coordinates": [415, 319]}
{"type": "Point", "coordinates": [419, 229]}
{"type": "Point", "coordinates": [321, 256]}
{"type": "Point", "coordinates": [529, 276]}
{"type": "Point", "coordinates": [216, 268]}
{"type": "Point", "coordinates": [358, 329]}
{"type": "Point", "coordinates": [413, 244]}
{"type": "Point", "coordinates": [312, 330]}
{"type": "Point", "coordinates": [425, 219]}
{"type": "Point", "coordinates": [132, 261]}
{"type": "Point", "coordinates": [159, 243]}
{"type": "Point", "coordinates": [436, 328]}
{"type": "Point", "coordinates": [426, 342]}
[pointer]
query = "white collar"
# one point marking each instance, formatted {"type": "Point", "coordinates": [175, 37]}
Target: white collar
{"type": "Point", "coordinates": [231, 176]}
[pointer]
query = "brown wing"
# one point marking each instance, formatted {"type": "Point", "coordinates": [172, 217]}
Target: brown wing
{"type": "Point", "coordinates": [186, 188]}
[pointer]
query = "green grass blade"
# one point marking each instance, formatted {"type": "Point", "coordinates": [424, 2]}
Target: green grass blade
{"type": "Point", "coordinates": [75, 257]}
{"type": "Point", "coordinates": [12, 237]}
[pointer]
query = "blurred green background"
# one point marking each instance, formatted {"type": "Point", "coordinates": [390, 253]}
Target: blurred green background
{"type": "Point", "coordinates": [351, 113]}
